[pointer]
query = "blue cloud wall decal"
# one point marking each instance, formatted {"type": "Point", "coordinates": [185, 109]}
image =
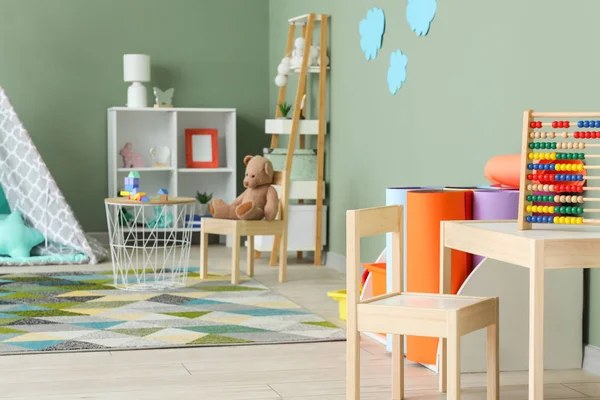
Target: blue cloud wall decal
{"type": "Point", "coordinates": [397, 71]}
{"type": "Point", "coordinates": [371, 30]}
{"type": "Point", "coordinates": [419, 14]}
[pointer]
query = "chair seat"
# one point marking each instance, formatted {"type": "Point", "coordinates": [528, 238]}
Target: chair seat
{"type": "Point", "coordinates": [243, 228]}
{"type": "Point", "coordinates": [423, 314]}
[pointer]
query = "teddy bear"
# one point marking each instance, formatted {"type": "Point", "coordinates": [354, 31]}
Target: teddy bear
{"type": "Point", "coordinates": [259, 200]}
{"type": "Point", "coordinates": [131, 159]}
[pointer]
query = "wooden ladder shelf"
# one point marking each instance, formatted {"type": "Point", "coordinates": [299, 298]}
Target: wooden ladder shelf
{"type": "Point", "coordinates": [307, 22]}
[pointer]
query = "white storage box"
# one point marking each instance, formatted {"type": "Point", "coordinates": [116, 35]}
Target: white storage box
{"type": "Point", "coordinates": [302, 229]}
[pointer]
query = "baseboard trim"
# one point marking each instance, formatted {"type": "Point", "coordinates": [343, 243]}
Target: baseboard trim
{"type": "Point", "coordinates": [591, 359]}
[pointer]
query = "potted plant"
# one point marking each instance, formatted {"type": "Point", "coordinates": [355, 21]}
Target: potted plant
{"type": "Point", "coordinates": [203, 206]}
{"type": "Point", "coordinates": [285, 108]}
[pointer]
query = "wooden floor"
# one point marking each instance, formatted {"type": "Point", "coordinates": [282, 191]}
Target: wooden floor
{"type": "Point", "coordinates": [268, 372]}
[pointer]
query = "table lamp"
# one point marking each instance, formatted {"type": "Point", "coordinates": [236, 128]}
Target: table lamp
{"type": "Point", "coordinates": [136, 69]}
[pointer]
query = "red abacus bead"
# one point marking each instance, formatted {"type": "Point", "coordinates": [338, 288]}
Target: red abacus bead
{"type": "Point", "coordinates": [532, 124]}
{"type": "Point", "coordinates": [588, 135]}
{"type": "Point", "coordinates": [539, 124]}
{"type": "Point", "coordinates": [567, 124]}
{"type": "Point", "coordinates": [561, 124]}
{"type": "Point", "coordinates": [555, 124]}
{"type": "Point", "coordinates": [530, 177]}
{"type": "Point", "coordinates": [560, 188]}
{"type": "Point", "coordinates": [594, 135]}
{"type": "Point", "coordinates": [576, 135]}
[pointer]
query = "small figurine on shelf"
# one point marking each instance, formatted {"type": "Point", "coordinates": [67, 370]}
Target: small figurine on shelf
{"type": "Point", "coordinates": [163, 195]}
{"type": "Point", "coordinates": [163, 99]}
{"type": "Point", "coordinates": [131, 159]}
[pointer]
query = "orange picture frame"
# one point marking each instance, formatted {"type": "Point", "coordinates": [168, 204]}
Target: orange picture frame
{"type": "Point", "coordinates": [195, 160]}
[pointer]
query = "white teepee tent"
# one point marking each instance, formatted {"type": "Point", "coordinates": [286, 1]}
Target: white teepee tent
{"type": "Point", "coordinates": [30, 189]}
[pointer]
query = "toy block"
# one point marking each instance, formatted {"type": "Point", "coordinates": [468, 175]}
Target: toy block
{"type": "Point", "coordinates": [163, 198]}
{"type": "Point", "coordinates": [129, 188]}
{"type": "Point", "coordinates": [163, 191]}
{"type": "Point", "coordinates": [145, 199]}
{"type": "Point", "coordinates": [124, 193]}
{"type": "Point", "coordinates": [136, 197]}
{"type": "Point", "coordinates": [134, 174]}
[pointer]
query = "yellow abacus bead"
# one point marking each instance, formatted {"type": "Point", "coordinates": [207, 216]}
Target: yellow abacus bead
{"type": "Point", "coordinates": [545, 209]}
{"type": "Point", "coordinates": [561, 220]}
{"type": "Point", "coordinates": [553, 156]}
{"type": "Point", "coordinates": [536, 156]}
{"type": "Point", "coordinates": [579, 220]}
{"type": "Point", "coordinates": [556, 220]}
{"type": "Point", "coordinates": [568, 167]}
{"type": "Point", "coordinates": [547, 156]}
{"type": "Point", "coordinates": [528, 208]}
{"type": "Point", "coordinates": [579, 167]}
{"type": "Point", "coordinates": [534, 208]}
{"type": "Point", "coordinates": [551, 209]}
{"type": "Point", "coordinates": [531, 155]}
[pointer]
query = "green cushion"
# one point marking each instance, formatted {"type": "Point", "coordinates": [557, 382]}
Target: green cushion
{"type": "Point", "coordinates": [17, 239]}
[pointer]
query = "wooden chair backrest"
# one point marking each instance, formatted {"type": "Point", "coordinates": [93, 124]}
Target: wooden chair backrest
{"type": "Point", "coordinates": [371, 222]}
{"type": "Point", "coordinates": [279, 180]}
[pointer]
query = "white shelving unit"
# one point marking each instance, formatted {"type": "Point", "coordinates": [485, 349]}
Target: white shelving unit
{"type": "Point", "coordinates": [149, 127]}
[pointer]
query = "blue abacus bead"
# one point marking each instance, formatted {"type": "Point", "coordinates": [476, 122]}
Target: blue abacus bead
{"type": "Point", "coordinates": [580, 178]}
{"type": "Point", "coordinates": [586, 124]}
{"type": "Point", "coordinates": [530, 166]}
{"type": "Point", "coordinates": [545, 219]}
{"type": "Point", "coordinates": [597, 124]}
{"type": "Point", "coordinates": [580, 124]}
{"type": "Point", "coordinates": [528, 218]}
{"type": "Point", "coordinates": [551, 167]}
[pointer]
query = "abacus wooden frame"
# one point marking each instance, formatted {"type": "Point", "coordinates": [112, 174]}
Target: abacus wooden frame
{"type": "Point", "coordinates": [528, 117]}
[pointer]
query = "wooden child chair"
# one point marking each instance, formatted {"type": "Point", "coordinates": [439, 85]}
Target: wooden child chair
{"type": "Point", "coordinates": [237, 229]}
{"type": "Point", "coordinates": [420, 314]}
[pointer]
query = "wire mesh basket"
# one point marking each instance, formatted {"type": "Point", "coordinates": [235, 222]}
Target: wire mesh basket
{"type": "Point", "coordinates": [150, 242]}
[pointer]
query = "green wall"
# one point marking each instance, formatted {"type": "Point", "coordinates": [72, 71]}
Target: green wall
{"type": "Point", "coordinates": [468, 83]}
{"type": "Point", "coordinates": [61, 65]}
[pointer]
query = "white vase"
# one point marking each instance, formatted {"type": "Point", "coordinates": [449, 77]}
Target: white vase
{"type": "Point", "coordinates": [161, 156]}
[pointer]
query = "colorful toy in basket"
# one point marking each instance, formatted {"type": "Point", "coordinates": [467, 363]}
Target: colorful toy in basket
{"type": "Point", "coordinates": [132, 188]}
{"type": "Point", "coordinates": [554, 168]}
{"type": "Point", "coordinates": [259, 200]}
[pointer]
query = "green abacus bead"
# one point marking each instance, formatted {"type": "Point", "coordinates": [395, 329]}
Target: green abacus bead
{"type": "Point", "coordinates": [531, 145]}
{"type": "Point", "coordinates": [529, 197]}
{"type": "Point", "coordinates": [537, 145]}
{"type": "Point", "coordinates": [568, 210]}
{"type": "Point", "coordinates": [569, 156]}
{"type": "Point", "coordinates": [553, 145]}
{"type": "Point", "coordinates": [562, 209]}
{"type": "Point", "coordinates": [548, 198]}
{"type": "Point", "coordinates": [582, 156]}
{"type": "Point", "coordinates": [580, 210]}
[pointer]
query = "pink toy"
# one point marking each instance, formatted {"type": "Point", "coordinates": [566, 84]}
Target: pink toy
{"type": "Point", "coordinates": [131, 159]}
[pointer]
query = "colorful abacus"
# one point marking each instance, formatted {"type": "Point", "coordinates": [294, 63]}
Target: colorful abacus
{"type": "Point", "coordinates": [554, 183]}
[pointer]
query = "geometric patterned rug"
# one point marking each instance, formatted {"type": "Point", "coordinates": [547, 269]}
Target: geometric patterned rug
{"type": "Point", "coordinates": [78, 311]}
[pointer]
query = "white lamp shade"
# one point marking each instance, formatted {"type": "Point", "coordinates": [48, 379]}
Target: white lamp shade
{"type": "Point", "coordinates": [136, 68]}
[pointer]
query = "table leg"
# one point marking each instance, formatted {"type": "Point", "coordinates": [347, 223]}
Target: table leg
{"type": "Point", "coordinates": [445, 285]}
{"type": "Point", "coordinates": [536, 326]}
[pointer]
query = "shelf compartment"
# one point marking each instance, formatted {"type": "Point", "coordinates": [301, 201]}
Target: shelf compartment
{"type": "Point", "coordinates": [311, 70]}
{"type": "Point", "coordinates": [147, 169]}
{"type": "Point", "coordinates": [205, 170]}
{"type": "Point", "coordinates": [284, 127]}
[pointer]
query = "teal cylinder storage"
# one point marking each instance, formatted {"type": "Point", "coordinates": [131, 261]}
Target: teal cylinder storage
{"type": "Point", "coordinates": [304, 162]}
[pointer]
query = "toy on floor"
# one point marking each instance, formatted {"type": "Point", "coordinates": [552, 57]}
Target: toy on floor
{"type": "Point", "coordinates": [259, 200]}
{"type": "Point", "coordinates": [555, 186]}
{"type": "Point", "coordinates": [132, 188]}
{"type": "Point", "coordinates": [131, 159]}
